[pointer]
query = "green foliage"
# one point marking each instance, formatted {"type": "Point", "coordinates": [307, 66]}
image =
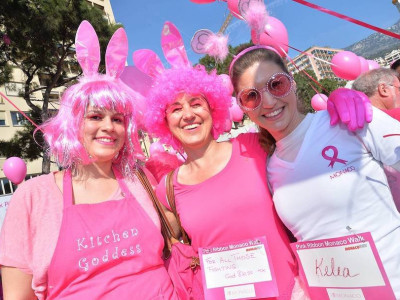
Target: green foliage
{"type": "Point", "coordinates": [305, 90]}
{"type": "Point", "coordinates": [5, 72]}
{"type": "Point", "coordinates": [211, 63]}
{"type": "Point", "coordinates": [330, 85]}
{"type": "Point", "coordinates": [40, 40]}
{"type": "Point", "coordinates": [22, 144]}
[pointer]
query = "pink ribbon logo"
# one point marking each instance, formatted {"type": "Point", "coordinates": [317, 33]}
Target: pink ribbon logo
{"type": "Point", "coordinates": [333, 158]}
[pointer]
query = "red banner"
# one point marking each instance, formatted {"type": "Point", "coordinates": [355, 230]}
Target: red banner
{"type": "Point", "coordinates": [349, 19]}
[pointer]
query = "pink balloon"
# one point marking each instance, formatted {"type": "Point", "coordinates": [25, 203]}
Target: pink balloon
{"type": "Point", "coordinates": [140, 84]}
{"type": "Point", "coordinates": [15, 169]}
{"type": "Point", "coordinates": [318, 102]}
{"type": "Point", "coordinates": [156, 147]}
{"type": "Point", "coordinates": [373, 64]}
{"type": "Point", "coordinates": [227, 82]}
{"type": "Point", "coordinates": [137, 80]}
{"type": "Point", "coordinates": [233, 6]}
{"type": "Point", "coordinates": [228, 125]}
{"type": "Point", "coordinates": [275, 35]}
{"type": "Point", "coordinates": [235, 111]}
{"type": "Point", "coordinates": [364, 65]}
{"type": "Point", "coordinates": [346, 65]}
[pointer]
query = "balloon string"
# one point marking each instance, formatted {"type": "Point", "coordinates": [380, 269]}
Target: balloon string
{"type": "Point", "coordinates": [302, 71]}
{"type": "Point", "coordinates": [308, 75]}
{"type": "Point", "coordinates": [29, 119]}
{"type": "Point", "coordinates": [349, 19]}
{"type": "Point", "coordinates": [310, 54]}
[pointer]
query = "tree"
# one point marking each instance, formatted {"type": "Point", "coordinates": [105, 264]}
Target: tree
{"type": "Point", "coordinates": [5, 72]}
{"type": "Point", "coordinates": [305, 90]}
{"type": "Point", "coordinates": [40, 41]}
{"type": "Point", "coordinates": [211, 63]}
{"type": "Point", "coordinates": [330, 85]}
{"type": "Point", "coordinates": [22, 144]}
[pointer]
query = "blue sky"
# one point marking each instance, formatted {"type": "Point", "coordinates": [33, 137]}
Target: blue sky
{"type": "Point", "coordinates": [143, 21]}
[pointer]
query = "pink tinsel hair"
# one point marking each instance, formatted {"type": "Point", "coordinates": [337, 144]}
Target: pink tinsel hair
{"type": "Point", "coordinates": [63, 132]}
{"type": "Point", "coordinates": [172, 82]}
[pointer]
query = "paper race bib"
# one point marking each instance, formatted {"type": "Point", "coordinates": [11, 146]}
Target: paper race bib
{"type": "Point", "coordinates": [239, 270]}
{"type": "Point", "coordinates": [347, 267]}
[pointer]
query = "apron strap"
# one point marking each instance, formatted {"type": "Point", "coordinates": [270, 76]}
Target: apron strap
{"type": "Point", "coordinates": [67, 188]}
{"type": "Point", "coordinates": [121, 182]}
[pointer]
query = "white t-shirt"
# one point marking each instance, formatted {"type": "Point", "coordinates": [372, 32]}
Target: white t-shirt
{"type": "Point", "coordinates": [336, 185]}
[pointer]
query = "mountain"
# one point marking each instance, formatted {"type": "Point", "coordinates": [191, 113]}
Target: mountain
{"type": "Point", "coordinates": [376, 44]}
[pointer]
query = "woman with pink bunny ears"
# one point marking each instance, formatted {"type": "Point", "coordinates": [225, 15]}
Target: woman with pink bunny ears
{"type": "Point", "coordinates": [89, 231]}
{"type": "Point", "coordinates": [221, 191]}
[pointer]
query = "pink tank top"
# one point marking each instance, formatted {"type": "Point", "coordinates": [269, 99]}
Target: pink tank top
{"type": "Point", "coordinates": [108, 250]}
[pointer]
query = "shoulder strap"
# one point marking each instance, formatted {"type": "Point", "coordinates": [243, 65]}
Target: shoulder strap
{"type": "Point", "coordinates": [166, 228]}
{"type": "Point", "coordinates": [171, 201]}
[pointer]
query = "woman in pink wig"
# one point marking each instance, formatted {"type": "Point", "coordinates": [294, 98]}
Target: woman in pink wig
{"type": "Point", "coordinates": [89, 231]}
{"type": "Point", "coordinates": [221, 191]}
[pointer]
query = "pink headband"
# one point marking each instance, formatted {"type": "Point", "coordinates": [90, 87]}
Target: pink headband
{"type": "Point", "coordinates": [241, 53]}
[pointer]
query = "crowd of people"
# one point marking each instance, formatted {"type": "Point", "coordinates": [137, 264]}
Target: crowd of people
{"type": "Point", "coordinates": [91, 231]}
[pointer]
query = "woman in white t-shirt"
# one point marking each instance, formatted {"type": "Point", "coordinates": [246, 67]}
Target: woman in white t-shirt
{"type": "Point", "coordinates": [326, 181]}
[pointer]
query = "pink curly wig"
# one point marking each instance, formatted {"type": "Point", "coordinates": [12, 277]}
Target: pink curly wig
{"type": "Point", "coordinates": [63, 132]}
{"type": "Point", "coordinates": [172, 82]}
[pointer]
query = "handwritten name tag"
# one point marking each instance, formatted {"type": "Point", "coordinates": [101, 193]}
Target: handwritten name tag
{"type": "Point", "coordinates": [240, 270]}
{"type": "Point", "coordinates": [349, 264]}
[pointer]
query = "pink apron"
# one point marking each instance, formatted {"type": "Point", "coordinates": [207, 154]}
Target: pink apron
{"type": "Point", "coordinates": [108, 250]}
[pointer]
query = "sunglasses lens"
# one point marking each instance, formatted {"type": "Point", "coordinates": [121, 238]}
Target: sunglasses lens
{"type": "Point", "coordinates": [279, 85]}
{"type": "Point", "coordinates": [250, 98]}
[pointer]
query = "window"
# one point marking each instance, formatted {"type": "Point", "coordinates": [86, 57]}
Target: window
{"type": "Point", "coordinates": [14, 88]}
{"type": "Point", "coordinates": [18, 119]}
{"type": "Point", "coordinates": [2, 118]}
{"type": "Point", "coordinates": [6, 186]}
{"type": "Point", "coordinates": [44, 79]}
{"type": "Point", "coordinates": [98, 6]}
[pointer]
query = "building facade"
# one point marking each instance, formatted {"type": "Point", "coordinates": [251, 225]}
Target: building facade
{"type": "Point", "coordinates": [11, 120]}
{"type": "Point", "coordinates": [316, 59]}
{"type": "Point", "coordinates": [392, 56]}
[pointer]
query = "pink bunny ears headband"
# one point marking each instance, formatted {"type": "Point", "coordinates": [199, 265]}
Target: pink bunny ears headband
{"type": "Point", "coordinates": [244, 51]}
{"type": "Point", "coordinates": [174, 51]}
{"type": "Point", "coordinates": [88, 51]}
{"type": "Point", "coordinates": [62, 132]}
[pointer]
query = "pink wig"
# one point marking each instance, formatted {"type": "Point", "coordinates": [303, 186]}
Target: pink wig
{"type": "Point", "coordinates": [63, 132]}
{"type": "Point", "coordinates": [193, 81]}
{"type": "Point", "coordinates": [181, 78]}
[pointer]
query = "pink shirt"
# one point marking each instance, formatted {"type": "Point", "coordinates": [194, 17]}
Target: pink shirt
{"type": "Point", "coordinates": [234, 205]}
{"type": "Point", "coordinates": [31, 227]}
{"type": "Point", "coordinates": [394, 113]}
